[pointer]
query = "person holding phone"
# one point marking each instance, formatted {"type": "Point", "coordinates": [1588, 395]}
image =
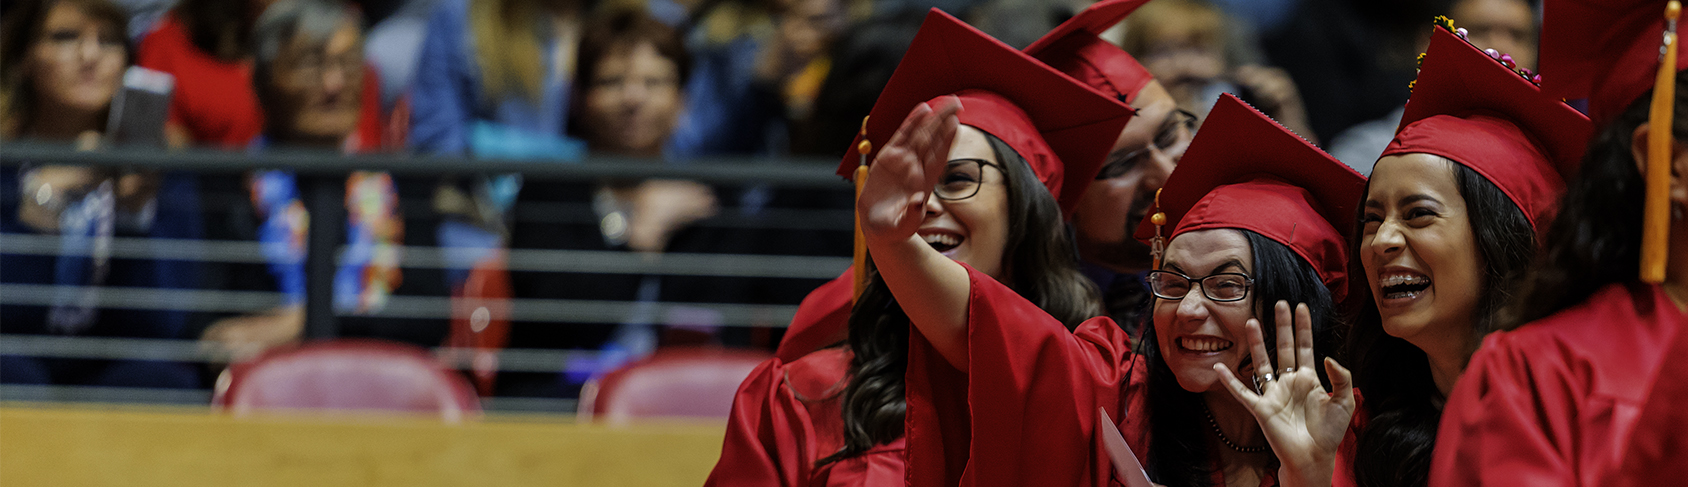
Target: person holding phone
{"type": "Point", "coordinates": [64, 63]}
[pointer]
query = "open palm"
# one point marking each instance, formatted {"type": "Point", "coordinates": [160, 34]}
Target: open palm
{"type": "Point", "coordinates": [893, 200]}
{"type": "Point", "coordinates": [1303, 423]}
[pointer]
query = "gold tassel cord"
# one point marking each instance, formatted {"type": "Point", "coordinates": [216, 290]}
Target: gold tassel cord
{"type": "Point", "coordinates": [858, 258]}
{"type": "Point", "coordinates": [1655, 236]}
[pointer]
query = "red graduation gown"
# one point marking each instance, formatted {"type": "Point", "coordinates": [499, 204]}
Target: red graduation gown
{"type": "Point", "coordinates": [785, 417]}
{"type": "Point", "coordinates": [821, 320]}
{"type": "Point", "coordinates": [1025, 414]}
{"type": "Point", "coordinates": [1553, 402]}
{"type": "Point", "coordinates": [1657, 454]}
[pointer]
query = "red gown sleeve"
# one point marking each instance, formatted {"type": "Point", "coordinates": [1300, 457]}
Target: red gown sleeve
{"type": "Point", "coordinates": [763, 447]}
{"type": "Point", "coordinates": [822, 318]}
{"type": "Point", "coordinates": [1509, 420]}
{"type": "Point", "coordinates": [1025, 413]}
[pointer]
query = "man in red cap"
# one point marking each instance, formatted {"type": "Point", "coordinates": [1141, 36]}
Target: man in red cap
{"type": "Point", "coordinates": [1559, 396]}
{"type": "Point", "coordinates": [1448, 228]}
{"type": "Point", "coordinates": [997, 145]}
{"type": "Point", "coordinates": [1141, 157]}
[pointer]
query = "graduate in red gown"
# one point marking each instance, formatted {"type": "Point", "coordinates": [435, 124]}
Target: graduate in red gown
{"type": "Point", "coordinates": [1555, 398]}
{"type": "Point", "coordinates": [1449, 226]}
{"type": "Point", "coordinates": [1000, 393]}
{"type": "Point", "coordinates": [1116, 201]}
{"type": "Point", "coordinates": [1017, 140]}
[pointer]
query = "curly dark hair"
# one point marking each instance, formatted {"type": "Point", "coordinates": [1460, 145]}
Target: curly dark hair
{"type": "Point", "coordinates": [1039, 264]}
{"type": "Point", "coordinates": [1401, 397]}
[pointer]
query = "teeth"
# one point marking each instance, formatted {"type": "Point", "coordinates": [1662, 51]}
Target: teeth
{"type": "Point", "coordinates": [1402, 280]}
{"type": "Point", "coordinates": [1204, 344]}
{"type": "Point", "coordinates": [941, 239]}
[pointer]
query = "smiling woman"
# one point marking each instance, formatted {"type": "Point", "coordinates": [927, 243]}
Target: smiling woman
{"type": "Point", "coordinates": [972, 170]}
{"type": "Point", "coordinates": [1447, 231]}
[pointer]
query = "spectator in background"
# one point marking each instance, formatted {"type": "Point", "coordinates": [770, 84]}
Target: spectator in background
{"type": "Point", "coordinates": [206, 44]}
{"type": "Point", "coordinates": [308, 74]}
{"type": "Point", "coordinates": [1189, 46]}
{"type": "Point", "coordinates": [730, 109]}
{"type": "Point", "coordinates": [1356, 55]}
{"type": "Point", "coordinates": [632, 70]}
{"type": "Point", "coordinates": [494, 73]}
{"type": "Point", "coordinates": [1507, 26]}
{"type": "Point", "coordinates": [797, 60]}
{"type": "Point", "coordinates": [63, 62]}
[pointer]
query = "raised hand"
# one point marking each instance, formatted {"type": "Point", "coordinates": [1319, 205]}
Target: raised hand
{"type": "Point", "coordinates": [900, 179]}
{"type": "Point", "coordinates": [1303, 423]}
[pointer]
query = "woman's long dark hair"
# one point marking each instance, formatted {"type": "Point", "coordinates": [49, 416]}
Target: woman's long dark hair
{"type": "Point", "coordinates": [1038, 263]}
{"type": "Point", "coordinates": [1401, 398]}
{"type": "Point", "coordinates": [1596, 239]}
{"type": "Point", "coordinates": [1178, 432]}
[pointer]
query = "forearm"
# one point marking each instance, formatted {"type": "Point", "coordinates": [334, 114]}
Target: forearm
{"type": "Point", "coordinates": [1318, 473]}
{"type": "Point", "coordinates": [932, 290]}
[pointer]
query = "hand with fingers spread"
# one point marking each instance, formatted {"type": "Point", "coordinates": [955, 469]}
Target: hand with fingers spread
{"type": "Point", "coordinates": [893, 200]}
{"type": "Point", "coordinates": [1304, 424]}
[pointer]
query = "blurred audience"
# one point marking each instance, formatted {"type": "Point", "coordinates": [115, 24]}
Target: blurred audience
{"type": "Point", "coordinates": [1508, 26]}
{"type": "Point", "coordinates": [632, 74]}
{"type": "Point", "coordinates": [308, 74]}
{"type": "Point", "coordinates": [1356, 55]}
{"type": "Point", "coordinates": [1195, 51]}
{"type": "Point", "coordinates": [633, 69]}
{"type": "Point", "coordinates": [496, 73]}
{"type": "Point", "coordinates": [63, 63]}
{"type": "Point", "coordinates": [207, 45]}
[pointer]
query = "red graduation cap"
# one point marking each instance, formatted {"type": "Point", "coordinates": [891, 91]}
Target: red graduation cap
{"type": "Point", "coordinates": [1604, 50]}
{"type": "Point", "coordinates": [1468, 107]}
{"type": "Point", "coordinates": [1062, 128]}
{"type": "Point", "coordinates": [1244, 171]}
{"type": "Point", "coordinates": [1075, 48]}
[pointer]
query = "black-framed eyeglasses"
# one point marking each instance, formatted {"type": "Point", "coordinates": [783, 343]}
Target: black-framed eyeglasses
{"type": "Point", "coordinates": [1222, 287]}
{"type": "Point", "coordinates": [1178, 128]}
{"type": "Point", "coordinates": [962, 178]}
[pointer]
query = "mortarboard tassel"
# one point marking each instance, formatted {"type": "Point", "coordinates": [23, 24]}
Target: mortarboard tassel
{"type": "Point", "coordinates": [1655, 233]}
{"type": "Point", "coordinates": [858, 257]}
{"type": "Point", "coordinates": [1157, 247]}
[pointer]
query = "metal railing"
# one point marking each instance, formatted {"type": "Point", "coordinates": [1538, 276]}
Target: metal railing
{"type": "Point", "coordinates": [321, 179]}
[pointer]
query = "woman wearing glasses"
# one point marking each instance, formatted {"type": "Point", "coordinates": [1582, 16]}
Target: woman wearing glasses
{"type": "Point", "coordinates": [1247, 229]}
{"type": "Point", "coordinates": [1009, 141]}
{"type": "Point", "coordinates": [1447, 230]}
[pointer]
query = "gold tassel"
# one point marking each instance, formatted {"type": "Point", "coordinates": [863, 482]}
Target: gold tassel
{"type": "Point", "coordinates": [1655, 236]}
{"type": "Point", "coordinates": [858, 257]}
{"type": "Point", "coordinates": [1157, 246]}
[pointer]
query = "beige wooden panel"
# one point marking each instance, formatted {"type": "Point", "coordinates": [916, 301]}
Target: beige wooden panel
{"type": "Point", "coordinates": [79, 446]}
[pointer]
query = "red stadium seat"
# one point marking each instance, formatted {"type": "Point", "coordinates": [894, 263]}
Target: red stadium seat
{"type": "Point", "coordinates": [347, 375]}
{"type": "Point", "coordinates": [677, 382]}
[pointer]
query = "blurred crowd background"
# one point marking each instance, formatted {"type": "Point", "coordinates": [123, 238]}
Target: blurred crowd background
{"type": "Point", "coordinates": [560, 81]}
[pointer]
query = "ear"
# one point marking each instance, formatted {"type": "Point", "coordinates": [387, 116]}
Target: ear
{"type": "Point", "coordinates": [1678, 166]}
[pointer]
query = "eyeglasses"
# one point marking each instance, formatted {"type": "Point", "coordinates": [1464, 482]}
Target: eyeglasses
{"type": "Point", "coordinates": [962, 178]}
{"type": "Point", "coordinates": [1222, 287]}
{"type": "Point", "coordinates": [1177, 130]}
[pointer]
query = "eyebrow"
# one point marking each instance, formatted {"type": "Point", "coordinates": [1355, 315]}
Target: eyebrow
{"type": "Point", "coordinates": [1405, 200]}
{"type": "Point", "coordinates": [1233, 262]}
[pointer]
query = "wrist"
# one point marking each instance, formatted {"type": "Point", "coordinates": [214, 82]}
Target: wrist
{"type": "Point", "coordinates": [1312, 472]}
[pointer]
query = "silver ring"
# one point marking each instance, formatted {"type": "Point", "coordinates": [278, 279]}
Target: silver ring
{"type": "Point", "coordinates": [1287, 370]}
{"type": "Point", "coordinates": [1268, 377]}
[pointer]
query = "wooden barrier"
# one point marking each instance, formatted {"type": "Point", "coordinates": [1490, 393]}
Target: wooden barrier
{"type": "Point", "coordinates": [185, 447]}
